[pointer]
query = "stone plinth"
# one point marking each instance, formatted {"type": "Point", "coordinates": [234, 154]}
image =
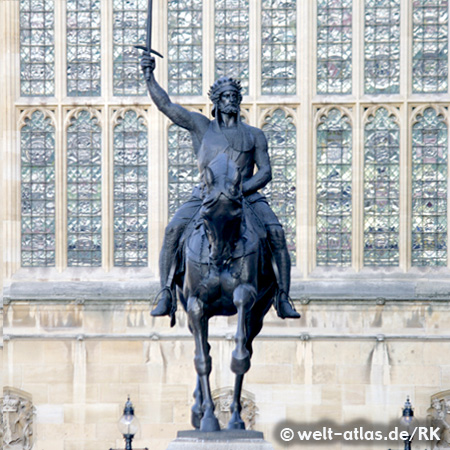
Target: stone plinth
{"type": "Point", "coordinates": [220, 440]}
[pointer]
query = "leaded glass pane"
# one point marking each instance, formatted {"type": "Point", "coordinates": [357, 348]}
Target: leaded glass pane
{"type": "Point", "coordinates": [232, 40]}
{"type": "Point", "coordinates": [185, 21]}
{"type": "Point", "coordinates": [84, 190]}
{"type": "Point", "coordinates": [37, 48]}
{"type": "Point", "coordinates": [37, 142]}
{"type": "Point", "coordinates": [334, 190]}
{"type": "Point", "coordinates": [281, 192]}
{"type": "Point", "coordinates": [430, 46]}
{"type": "Point", "coordinates": [83, 48]}
{"type": "Point", "coordinates": [129, 29]}
{"type": "Point", "coordinates": [429, 190]}
{"type": "Point", "coordinates": [130, 191]}
{"type": "Point", "coordinates": [183, 170]}
{"type": "Point", "coordinates": [334, 46]}
{"type": "Point", "coordinates": [279, 49]}
{"type": "Point", "coordinates": [382, 47]}
{"type": "Point", "coordinates": [381, 190]}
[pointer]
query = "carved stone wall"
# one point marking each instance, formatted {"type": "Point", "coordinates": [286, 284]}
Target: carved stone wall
{"type": "Point", "coordinates": [18, 412]}
{"type": "Point", "coordinates": [439, 416]}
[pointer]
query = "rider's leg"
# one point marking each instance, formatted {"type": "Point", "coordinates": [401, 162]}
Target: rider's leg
{"type": "Point", "coordinates": [283, 261]}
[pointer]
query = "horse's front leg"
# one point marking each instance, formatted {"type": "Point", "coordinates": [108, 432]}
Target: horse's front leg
{"type": "Point", "coordinates": [244, 297]}
{"type": "Point", "coordinates": [198, 324]}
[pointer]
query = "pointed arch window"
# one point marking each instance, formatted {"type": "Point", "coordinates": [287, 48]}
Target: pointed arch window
{"type": "Point", "coordinates": [232, 48]}
{"type": "Point", "coordinates": [381, 189]}
{"type": "Point", "coordinates": [334, 189]}
{"type": "Point", "coordinates": [37, 48]}
{"type": "Point", "coordinates": [37, 141]}
{"type": "Point", "coordinates": [429, 188]}
{"type": "Point", "coordinates": [281, 134]}
{"type": "Point", "coordinates": [185, 47]}
{"type": "Point", "coordinates": [130, 190]}
{"type": "Point", "coordinates": [84, 175]}
{"type": "Point", "coordinates": [183, 169]}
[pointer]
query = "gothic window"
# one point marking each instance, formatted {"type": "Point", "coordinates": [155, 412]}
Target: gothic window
{"type": "Point", "coordinates": [334, 189]}
{"type": "Point", "coordinates": [129, 29]}
{"type": "Point", "coordinates": [83, 48]}
{"type": "Point", "coordinates": [381, 189]}
{"type": "Point", "coordinates": [430, 46]}
{"type": "Point", "coordinates": [37, 141]}
{"type": "Point", "coordinates": [281, 192]}
{"type": "Point", "coordinates": [130, 190]}
{"type": "Point", "coordinates": [37, 48]}
{"type": "Point", "coordinates": [382, 47]}
{"type": "Point", "coordinates": [279, 49]}
{"type": "Point", "coordinates": [429, 189]}
{"type": "Point", "coordinates": [232, 40]}
{"type": "Point", "coordinates": [334, 46]}
{"type": "Point", "coordinates": [183, 170]}
{"type": "Point", "coordinates": [84, 176]}
{"type": "Point", "coordinates": [185, 20]}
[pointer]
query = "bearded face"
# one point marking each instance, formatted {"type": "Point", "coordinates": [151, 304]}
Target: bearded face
{"type": "Point", "coordinates": [228, 102]}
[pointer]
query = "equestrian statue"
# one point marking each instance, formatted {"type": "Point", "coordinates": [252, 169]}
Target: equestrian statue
{"type": "Point", "coordinates": [224, 251]}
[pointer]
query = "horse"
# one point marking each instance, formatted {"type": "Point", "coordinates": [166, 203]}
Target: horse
{"type": "Point", "coordinates": [227, 271]}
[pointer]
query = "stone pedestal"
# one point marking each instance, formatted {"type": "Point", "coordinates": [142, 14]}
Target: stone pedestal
{"type": "Point", "coordinates": [220, 440]}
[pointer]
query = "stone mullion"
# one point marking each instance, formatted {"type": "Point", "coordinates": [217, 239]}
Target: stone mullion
{"type": "Point", "coordinates": [255, 66]}
{"type": "Point", "coordinates": [10, 142]}
{"type": "Point", "coordinates": [208, 44]}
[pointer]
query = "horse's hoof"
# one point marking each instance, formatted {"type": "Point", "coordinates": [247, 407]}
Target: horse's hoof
{"type": "Point", "coordinates": [196, 417]}
{"type": "Point", "coordinates": [240, 365]}
{"type": "Point", "coordinates": [209, 423]}
{"type": "Point", "coordinates": [236, 425]}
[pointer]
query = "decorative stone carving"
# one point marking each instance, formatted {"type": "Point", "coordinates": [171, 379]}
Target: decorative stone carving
{"type": "Point", "coordinates": [222, 400]}
{"type": "Point", "coordinates": [439, 416]}
{"type": "Point", "coordinates": [18, 411]}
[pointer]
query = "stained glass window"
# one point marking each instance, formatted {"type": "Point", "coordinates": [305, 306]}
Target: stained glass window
{"type": "Point", "coordinates": [185, 47]}
{"type": "Point", "coordinates": [429, 189]}
{"type": "Point", "coordinates": [84, 190]}
{"type": "Point", "coordinates": [334, 190]}
{"type": "Point", "coordinates": [37, 48]}
{"type": "Point", "coordinates": [37, 139]}
{"type": "Point", "coordinates": [83, 48]}
{"type": "Point", "coordinates": [232, 40]}
{"type": "Point", "coordinates": [183, 170]}
{"type": "Point", "coordinates": [129, 29]}
{"type": "Point", "coordinates": [334, 46]}
{"type": "Point", "coordinates": [281, 192]}
{"type": "Point", "coordinates": [430, 46]}
{"type": "Point", "coordinates": [381, 189]}
{"type": "Point", "coordinates": [382, 47]}
{"type": "Point", "coordinates": [279, 50]}
{"type": "Point", "coordinates": [130, 191]}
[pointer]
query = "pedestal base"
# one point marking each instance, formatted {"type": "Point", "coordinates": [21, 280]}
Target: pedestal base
{"type": "Point", "coordinates": [220, 440]}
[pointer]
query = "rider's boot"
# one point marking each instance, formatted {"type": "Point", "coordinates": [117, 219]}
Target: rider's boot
{"type": "Point", "coordinates": [164, 304]}
{"type": "Point", "coordinates": [285, 309]}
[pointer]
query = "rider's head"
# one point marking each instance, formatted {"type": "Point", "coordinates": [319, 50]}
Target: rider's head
{"type": "Point", "coordinates": [225, 85]}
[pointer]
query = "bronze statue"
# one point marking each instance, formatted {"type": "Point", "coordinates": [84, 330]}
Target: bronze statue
{"type": "Point", "coordinates": [224, 251]}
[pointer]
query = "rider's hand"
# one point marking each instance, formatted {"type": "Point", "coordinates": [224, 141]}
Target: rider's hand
{"type": "Point", "coordinates": [148, 64]}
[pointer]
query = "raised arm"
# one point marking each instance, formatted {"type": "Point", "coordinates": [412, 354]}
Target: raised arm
{"type": "Point", "coordinates": [176, 113]}
{"type": "Point", "coordinates": [262, 160]}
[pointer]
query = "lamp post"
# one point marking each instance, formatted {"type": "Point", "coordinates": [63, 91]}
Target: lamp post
{"type": "Point", "coordinates": [408, 422]}
{"type": "Point", "coordinates": [128, 425]}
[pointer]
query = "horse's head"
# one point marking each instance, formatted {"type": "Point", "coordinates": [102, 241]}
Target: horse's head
{"type": "Point", "coordinates": [222, 206]}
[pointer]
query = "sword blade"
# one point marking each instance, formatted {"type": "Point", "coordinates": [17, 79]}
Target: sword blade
{"type": "Point", "coordinates": [148, 41]}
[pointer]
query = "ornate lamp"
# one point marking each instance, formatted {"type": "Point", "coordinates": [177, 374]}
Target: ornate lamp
{"type": "Point", "coordinates": [128, 425]}
{"type": "Point", "coordinates": [408, 422]}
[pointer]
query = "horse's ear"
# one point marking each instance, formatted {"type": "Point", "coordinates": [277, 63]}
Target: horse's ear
{"type": "Point", "coordinates": [209, 177]}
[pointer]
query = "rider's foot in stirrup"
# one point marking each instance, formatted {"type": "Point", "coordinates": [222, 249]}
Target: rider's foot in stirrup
{"type": "Point", "coordinates": [285, 310]}
{"type": "Point", "coordinates": [164, 304]}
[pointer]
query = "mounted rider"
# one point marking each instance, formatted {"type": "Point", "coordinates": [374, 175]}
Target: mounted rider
{"type": "Point", "coordinates": [247, 147]}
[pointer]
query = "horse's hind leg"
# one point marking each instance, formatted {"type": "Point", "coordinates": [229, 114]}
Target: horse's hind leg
{"type": "Point", "coordinates": [196, 410]}
{"type": "Point", "coordinates": [198, 324]}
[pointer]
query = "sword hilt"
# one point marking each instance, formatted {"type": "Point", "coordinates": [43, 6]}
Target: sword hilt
{"type": "Point", "coordinates": [143, 47]}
